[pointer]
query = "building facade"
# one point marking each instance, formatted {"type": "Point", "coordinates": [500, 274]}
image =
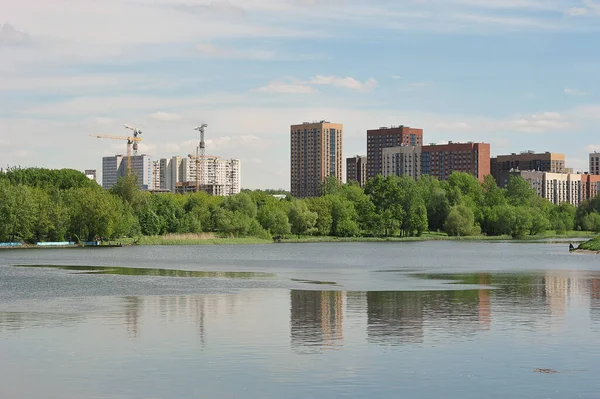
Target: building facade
{"type": "Point", "coordinates": [384, 137]}
{"type": "Point", "coordinates": [402, 160]}
{"type": "Point", "coordinates": [592, 186]}
{"type": "Point", "coordinates": [91, 174]}
{"type": "Point", "coordinates": [502, 165]}
{"type": "Point", "coordinates": [220, 177]}
{"type": "Point", "coordinates": [156, 175]}
{"type": "Point", "coordinates": [116, 166]}
{"type": "Point", "coordinates": [441, 160]}
{"type": "Point", "coordinates": [595, 163]}
{"type": "Point", "coordinates": [316, 153]}
{"type": "Point", "coordinates": [558, 187]}
{"type": "Point", "coordinates": [356, 169]}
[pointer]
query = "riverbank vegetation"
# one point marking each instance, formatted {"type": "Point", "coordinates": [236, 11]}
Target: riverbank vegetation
{"type": "Point", "coordinates": [591, 245]}
{"type": "Point", "coordinates": [56, 205]}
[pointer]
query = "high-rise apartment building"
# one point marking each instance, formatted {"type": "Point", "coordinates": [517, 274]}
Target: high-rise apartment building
{"type": "Point", "coordinates": [384, 137]}
{"type": "Point", "coordinates": [502, 165]}
{"type": "Point", "coordinates": [169, 173]}
{"type": "Point", "coordinates": [220, 177]}
{"type": "Point", "coordinates": [592, 186]}
{"type": "Point", "coordinates": [441, 160]}
{"type": "Point", "coordinates": [557, 187]}
{"type": "Point", "coordinates": [595, 163]}
{"type": "Point", "coordinates": [116, 166]}
{"type": "Point", "coordinates": [316, 153]}
{"type": "Point", "coordinates": [356, 169]}
{"type": "Point", "coordinates": [156, 175]}
{"type": "Point", "coordinates": [402, 160]}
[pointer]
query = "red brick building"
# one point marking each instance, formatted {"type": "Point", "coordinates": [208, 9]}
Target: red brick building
{"type": "Point", "coordinates": [592, 186]}
{"type": "Point", "coordinates": [385, 137]}
{"type": "Point", "coordinates": [441, 160]}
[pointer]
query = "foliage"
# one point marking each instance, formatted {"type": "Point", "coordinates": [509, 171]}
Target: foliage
{"type": "Point", "coordinates": [57, 205]}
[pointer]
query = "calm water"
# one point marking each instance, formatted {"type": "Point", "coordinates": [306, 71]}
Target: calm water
{"type": "Point", "coordinates": [410, 320]}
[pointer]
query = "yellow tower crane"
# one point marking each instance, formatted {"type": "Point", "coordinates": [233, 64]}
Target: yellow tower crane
{"type": "Point", "coordinates": [130, 141]}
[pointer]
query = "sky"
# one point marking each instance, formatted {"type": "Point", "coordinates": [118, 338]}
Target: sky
{"type": "Point", "coordinates": [518, 74]}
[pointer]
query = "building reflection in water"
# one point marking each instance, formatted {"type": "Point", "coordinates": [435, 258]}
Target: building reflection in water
{"type": "Point", "coordinates": [595, 299]}
{"type": "Point", "coordinates": [316, 320]}
{"type": "Point", "coordinates": [395, 317]}
{"type": "Point", "coordinates": [132, 306]}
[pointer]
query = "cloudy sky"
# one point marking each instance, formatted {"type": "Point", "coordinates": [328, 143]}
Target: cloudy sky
{"type": "Point", "coordinates": [519, 74]}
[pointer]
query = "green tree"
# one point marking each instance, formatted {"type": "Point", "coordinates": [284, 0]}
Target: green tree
{"type": "Point", "coordinates": [301, 218]}
{"type": "Point", "coordinates": [274, 219]}
{"type": "Point", "coordinates": [460, 221]}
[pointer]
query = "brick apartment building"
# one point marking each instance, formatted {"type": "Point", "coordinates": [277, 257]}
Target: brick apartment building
{"type": "Point", "coordinates": [356, 169]}
{"type": "Point", "coordinates": [441, 160]}
{"type": "Point", "coordinates": [316, 153]}
{"type": "Point", "coordinates": [385, 137]}
{"type": "Point", "coordinates": [502, 165]}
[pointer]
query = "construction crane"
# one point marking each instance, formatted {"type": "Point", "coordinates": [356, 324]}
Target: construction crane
{"type": "Point", "coordinates": [200, 155]}
{"type": "Point", "coordinates": [130, 140]}
{"type": "Point", "coordinates": [136, 133]}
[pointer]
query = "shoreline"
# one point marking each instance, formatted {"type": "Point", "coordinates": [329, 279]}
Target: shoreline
{"type": "Point", "coordinates": [166, 240]}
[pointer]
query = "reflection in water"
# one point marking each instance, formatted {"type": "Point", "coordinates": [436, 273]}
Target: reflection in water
{"type": "Point", "coordinates": [132, 306]}
{"type": "Point", "coordinates": [316, 319]}
{"type": "Point", "coordinates": [138, 271]}
{"type": "Point", "coordinates": [595, 299]}
{"type": "Point", "coordinates": [523, 301]}
{"type": "Point", "coordinates": [395, 317]}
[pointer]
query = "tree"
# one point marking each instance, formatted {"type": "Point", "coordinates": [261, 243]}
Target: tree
{"type": "Point", "coordinates": [274, 219]}
{"type": "Point", "coordinates": [460, 221]}
{"type": "Point", "coordinates": [301, 218]}
{"type": "Point", "coordinates": [386, 197]}
{"type": "Point", "coordinates": [519, 191]}
{"type": "Point", "coordinates": [331, 185]}
{"type": "Point", "coordinates": [591, 222]}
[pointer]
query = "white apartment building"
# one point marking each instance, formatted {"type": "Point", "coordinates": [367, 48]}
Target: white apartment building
{"type": "Point", "coordinates": [401, 160]}
{"type": "Point", "coordinates": [556, 187]}
{"type": "Point", "coordinates": [595, 163]}
{"type": "Point", "coordinates": [218, 176]}
{"type": "Point", "coordinates": [169, 173]}
{"type": "Point", "coordinates": [116, 166]}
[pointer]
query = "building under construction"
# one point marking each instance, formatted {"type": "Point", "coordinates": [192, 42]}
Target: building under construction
{"type": "Point", "coordinates": [217, 176]}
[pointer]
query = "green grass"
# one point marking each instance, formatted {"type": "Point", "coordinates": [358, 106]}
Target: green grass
{"type": "Point", "coordinates": [591, 245]}
{"type": "Point", "coordinates": [165, 240]}
{"type": "Point", "coordinates": [211, 239]}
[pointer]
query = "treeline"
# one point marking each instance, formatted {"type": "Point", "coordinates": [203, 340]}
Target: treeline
{"type": "Point", "coordinates": [57, 205]}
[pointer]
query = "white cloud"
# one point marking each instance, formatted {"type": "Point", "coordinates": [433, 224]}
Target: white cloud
{"type": "Point", "coordinates": [286, 88]}
{"type": "Point", "coordinates": [589, 7]}
{"type": "Point", "coordinates": [248, 138]}
{"type": "Point", "coordinates": [453, 126]}
{"type": "Point", "coordinates": [541, 122]}
{"type": "Point", "coordinates": [593, 148]}
{"type": "Point", "coordinates": [211, 50]}
{"type": "Point", "coordinates": [345, 82]}
{"type": "Point", "coordinates": [164, 117]}
{"type": "Point", "coordinates": [10, 36]}
{"type": "Point", "coordinates": [574, 92]}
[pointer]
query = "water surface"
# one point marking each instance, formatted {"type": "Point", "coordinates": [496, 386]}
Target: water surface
{"type": "Point", "coordinates": [417, 320]}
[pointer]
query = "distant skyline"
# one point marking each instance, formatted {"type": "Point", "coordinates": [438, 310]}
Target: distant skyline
{"type": "Point", "coordinates": [519, 74]}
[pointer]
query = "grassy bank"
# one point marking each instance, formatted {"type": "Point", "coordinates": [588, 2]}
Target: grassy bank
{"type": "Point", "coordinates": [212, 239]}
{"type": "Point", "coordinates": [432, 236]}
{"type": "Point", "coordinates": [196, 239]}
{"type": "Point", "coordinates": [591, 245]}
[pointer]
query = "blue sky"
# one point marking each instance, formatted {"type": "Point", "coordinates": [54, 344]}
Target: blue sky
{"type": "Point", "coordinates": [519, 74]}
